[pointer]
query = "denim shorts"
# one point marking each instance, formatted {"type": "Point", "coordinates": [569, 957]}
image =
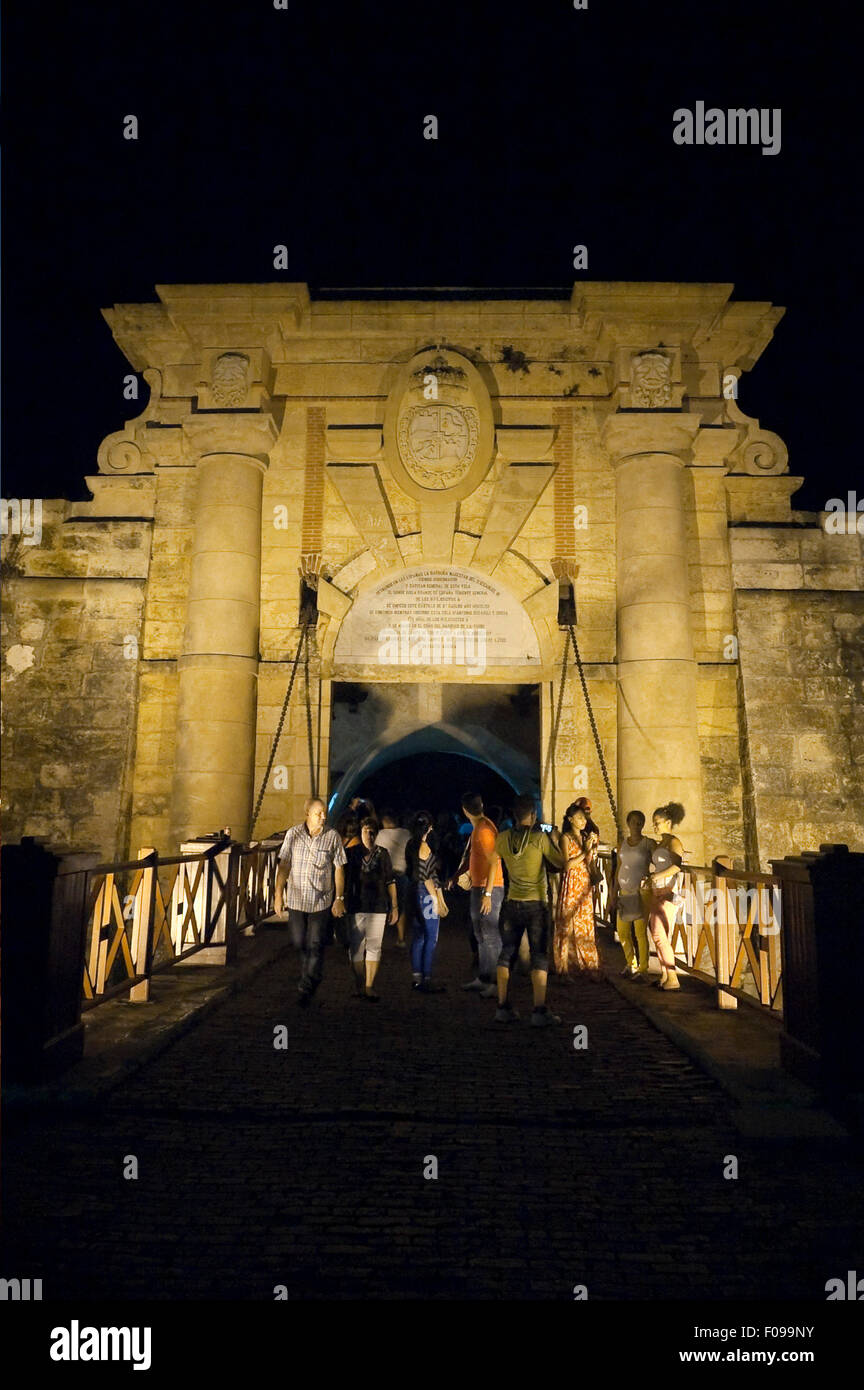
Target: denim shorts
{"type": "Point", "coordinates": [517, 918]}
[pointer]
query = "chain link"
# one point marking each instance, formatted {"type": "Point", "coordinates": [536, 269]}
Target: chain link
{"type": "Point", "coordinates": [597, 743]}
{"type": "Point", "coordinates": [300, 644]}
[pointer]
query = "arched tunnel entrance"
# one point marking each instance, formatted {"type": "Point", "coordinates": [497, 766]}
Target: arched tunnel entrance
{"type": "Point", "coordinates": [434, 782]}
{"type": "Point", "coordinates": [418, 747]}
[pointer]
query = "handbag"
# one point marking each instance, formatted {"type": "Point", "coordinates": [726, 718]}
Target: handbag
{"type": "Point", "coordinates": [463, 877]}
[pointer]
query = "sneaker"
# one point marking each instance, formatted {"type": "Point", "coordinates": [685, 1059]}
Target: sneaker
{"type": "Point", "coordinates": [371, 996]}
{"type": "Point", "coordinates": [476, 983]}
{"type": "Point", "coordinates": [489, 992]}
{"type": "Point", "coordinates": [541, 1018]}
{"type": "Point", "coordinates": [427, 987]}
{"type": "Point", "coordinates": [505, 1013]}
{"type": "Point", "coordinates": [626, 973]}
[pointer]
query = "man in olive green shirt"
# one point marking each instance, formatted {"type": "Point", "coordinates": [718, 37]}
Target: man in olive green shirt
{"type": "Point", "coordinates": [526, 850]}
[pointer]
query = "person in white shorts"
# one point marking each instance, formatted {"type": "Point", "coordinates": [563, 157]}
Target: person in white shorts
{"type": "Point", "coordinates": [370, 901]}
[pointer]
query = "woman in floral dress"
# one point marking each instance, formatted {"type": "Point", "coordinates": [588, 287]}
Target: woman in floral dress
{"type": "Point", "coordinates": [574, 946]}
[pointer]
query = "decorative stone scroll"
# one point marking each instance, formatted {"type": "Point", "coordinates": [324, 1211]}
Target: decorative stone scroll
{"type": "Point", "coordinates": [126, 450]}
{"type": "Point", "coordinates": [761, 452]}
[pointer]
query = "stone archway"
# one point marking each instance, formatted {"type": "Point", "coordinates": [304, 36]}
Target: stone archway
{"type": "Point", "coordinates": [473, 742]}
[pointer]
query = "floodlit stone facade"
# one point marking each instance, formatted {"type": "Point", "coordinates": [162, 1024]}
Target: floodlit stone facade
{"type": "Point", "coordinates": [439, 469]}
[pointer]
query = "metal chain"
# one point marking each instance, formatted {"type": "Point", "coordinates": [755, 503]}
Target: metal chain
{"type": "Point", "coordinates": [593, 726]}
{"type": "Point", "coordinates": [556, 723]}
{"type": "Point", "coordinates": [279, 727]}
{"type": "Point", "coordinates": [313, 771]}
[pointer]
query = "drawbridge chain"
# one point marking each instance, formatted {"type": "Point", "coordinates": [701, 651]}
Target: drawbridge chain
{"type": "Point", "coordinates": [593, 724]}
{"type": "Point", "coordinates": [313, 771]}
{"type": "Point", "coordinates": [303, 642]}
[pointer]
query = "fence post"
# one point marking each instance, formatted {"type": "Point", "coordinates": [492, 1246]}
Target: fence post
{"type": "Point", "coordinates": [799, 1040]}
{"type": "Point", "coordinates": [231, 860]}
{"type": "Point", "coordinates": [725, 934]}
{"type": "Point", "coordinates": [142, 927]}
{"type": "Point", "coordinates": [44, 938]}
{"type": "Point", "coordinates": [837, 878]}
{"type": "Point", "coordinates": [220, 943]}
{"type": "Point", "coordinates": [820, 941]}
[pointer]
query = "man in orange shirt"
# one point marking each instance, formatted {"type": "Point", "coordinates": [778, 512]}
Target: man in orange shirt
{"type": "Point", "coordinates": [479, 849]}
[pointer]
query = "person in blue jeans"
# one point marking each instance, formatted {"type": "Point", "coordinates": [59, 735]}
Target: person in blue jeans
{"type": "Point", "coordinates": [426, 900]}
{"type": "Point", "coordinates": [475, 862]}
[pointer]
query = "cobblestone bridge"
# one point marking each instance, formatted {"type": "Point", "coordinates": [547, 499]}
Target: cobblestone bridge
{"type": "Point", "coordinates": [304, 1166]}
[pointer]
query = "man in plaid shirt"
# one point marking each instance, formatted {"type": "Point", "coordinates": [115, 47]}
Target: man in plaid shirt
{"type": "Point", "coordinates": [311, 864]}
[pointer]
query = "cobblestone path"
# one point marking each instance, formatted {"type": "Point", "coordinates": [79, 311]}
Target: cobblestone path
{"type": "Point", "coordinates": [304, 1167]}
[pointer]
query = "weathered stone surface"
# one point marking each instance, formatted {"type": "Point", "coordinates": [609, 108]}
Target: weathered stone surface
{"type": "Point", "coordinates": [97, 623]}
{"type": "Point", "coordinates": [808, 687]}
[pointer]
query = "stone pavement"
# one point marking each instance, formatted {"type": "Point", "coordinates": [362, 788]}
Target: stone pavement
{"type": "Point", "coordinates": [304, 1167]}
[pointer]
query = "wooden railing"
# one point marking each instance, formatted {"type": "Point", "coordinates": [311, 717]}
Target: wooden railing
{"type": "Point", "coordinates": [727, 934]}
{"type": "Point", "coordinates": [151, 913]}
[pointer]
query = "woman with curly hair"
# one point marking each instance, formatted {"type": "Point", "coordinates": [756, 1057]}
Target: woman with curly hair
{"type": "Point", "coordinates": [666, 889]}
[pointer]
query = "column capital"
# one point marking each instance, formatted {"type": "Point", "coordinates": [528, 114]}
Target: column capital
{"type": "Point", "coordinates": [632, 432]}
{"type": "Point", "coordinates": [230, 432]}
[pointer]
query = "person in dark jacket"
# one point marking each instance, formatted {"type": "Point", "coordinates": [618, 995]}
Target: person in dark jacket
{"type": "Point", "coordinates": [370, 902]}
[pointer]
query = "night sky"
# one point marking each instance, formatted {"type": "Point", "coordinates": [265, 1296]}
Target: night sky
{"type": "Point", "coordinates": [260, 126]}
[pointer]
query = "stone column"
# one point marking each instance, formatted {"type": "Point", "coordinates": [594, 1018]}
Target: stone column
{"type": "Point", "coordinates": [218, 670]}
{"type": "Point", "coordinates": [658, 742]}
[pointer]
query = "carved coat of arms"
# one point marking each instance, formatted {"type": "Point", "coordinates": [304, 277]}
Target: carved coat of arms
{"type": "Point", "coordinates": [438, 428]}
{"type": "Point", "coordinates": [437, 442]}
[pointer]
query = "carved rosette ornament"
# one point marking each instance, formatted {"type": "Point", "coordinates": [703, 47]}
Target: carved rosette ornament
{"type": "Point", "coordinates": [651, 381]}
{"type": "Point", "coordinates": [438, 429]}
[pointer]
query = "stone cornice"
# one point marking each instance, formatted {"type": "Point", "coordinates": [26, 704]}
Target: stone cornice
{"type": "Point", "coordinates": [600, 316]}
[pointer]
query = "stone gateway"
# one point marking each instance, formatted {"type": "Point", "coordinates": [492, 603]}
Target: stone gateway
{"type": "Point", "coordinates": [422, 480]}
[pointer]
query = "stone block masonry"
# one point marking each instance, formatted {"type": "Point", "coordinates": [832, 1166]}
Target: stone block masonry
{"type": "Point", "coordinates": [149, 634]}
{"type": "Point", "coordinates": [802, 682]}
{"type": "Point", "coordinates": [72, 630]}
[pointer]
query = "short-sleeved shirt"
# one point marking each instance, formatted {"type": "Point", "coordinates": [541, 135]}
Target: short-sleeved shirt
{"type": "Point", "coordinates": [309, 887]}
{"type": "Point", "coordinates": [526, 852]}
{"type": "Point", "coordinates": [367, 877]}
{"type": "Point", "coordinates": [394, 841]}
{"type": "Point", "coordinates": [482, 844]}
{"type": "Point", "coordinates": [633, 865]}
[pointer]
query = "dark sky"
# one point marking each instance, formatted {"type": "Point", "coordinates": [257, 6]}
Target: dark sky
{"type": "Point", "coordinates": [259, 126]}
